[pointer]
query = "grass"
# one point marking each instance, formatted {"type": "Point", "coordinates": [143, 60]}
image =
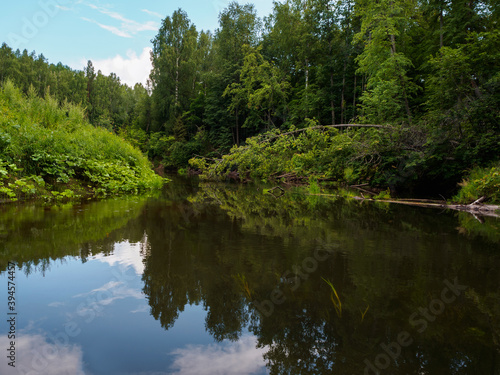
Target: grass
{"type": "Point", "coordinates": [46, 148]}
{"type": "Point", "coordinates": [481, 182]}
{"type": "Point", "coordinates": [243, 284]}
{"type": "Point", "coordinates": [334, 297]}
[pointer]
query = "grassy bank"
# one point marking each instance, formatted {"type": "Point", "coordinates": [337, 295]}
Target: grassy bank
{"type": "Point", "coordinates": [48, 150]}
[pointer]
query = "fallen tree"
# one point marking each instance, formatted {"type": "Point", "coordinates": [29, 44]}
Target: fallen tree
{"type": "Point", "coordinates": [476, 208]}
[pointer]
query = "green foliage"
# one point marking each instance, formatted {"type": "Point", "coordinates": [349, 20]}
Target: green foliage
{"type": "Point", "coordinates": [389, 87]}
{"type": "Point", "coordinates": [158, 145]}
{"type": "Point", "coordinates": [53, 144]}
{"type": "Point", "coordinates": [313, 187]}
{"type": "Point", "coordinates": [334, 297]}
{"type": "Point", "coordinates": [481, 182]}
{"type": "Point", "coordinates": [174, 61]}
{"type": "Point", "coordinates": [260, 89]}
{"type": "Point", "coordinates": [105, 101]}
{"type": "Point", "coordinates": [309, 154]}
{"type": "Point", "coordinates": [429, 69]}
{"type": "Point", "coordinates": [385, 194]}
{"type": "Point", "coordinates": [98, 220]}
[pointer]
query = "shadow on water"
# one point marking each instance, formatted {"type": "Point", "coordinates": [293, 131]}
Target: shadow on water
{"type": "Point", "coordinates": [417, 290]}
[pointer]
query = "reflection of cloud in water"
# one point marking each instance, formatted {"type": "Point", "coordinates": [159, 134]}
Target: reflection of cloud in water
{"type": "Point", "coordinates": [141, 309]}
{"type": "Point", "coordinates": [112, 291]}
{"type": "Point", "coordinates": [56, 304]}
{"type": "Point", "coordinates": [126, 255]}
{"type": "Point", "coordinates": [241, 357]}
{"type": "Point", "coordinates": [34, 355]}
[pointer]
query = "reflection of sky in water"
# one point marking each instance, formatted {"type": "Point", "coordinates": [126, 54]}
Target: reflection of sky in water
{"type": "Point", "coordinates": [237, 358]}
{"type": "Point", "coordinates": [93, 318]}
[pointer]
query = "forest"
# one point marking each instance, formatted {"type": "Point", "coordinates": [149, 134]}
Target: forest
{"type": "Point", "coordinates": [397, 94]}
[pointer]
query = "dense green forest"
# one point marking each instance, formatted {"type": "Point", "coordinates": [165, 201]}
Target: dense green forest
{"type": "Point", "coordinates": [425, 72]}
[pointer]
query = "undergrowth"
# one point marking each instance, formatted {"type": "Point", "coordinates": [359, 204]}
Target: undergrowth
{"type": "Point", "coordinates": [48, 150]}
{"type": "Point", "coordinates": [481, 182]}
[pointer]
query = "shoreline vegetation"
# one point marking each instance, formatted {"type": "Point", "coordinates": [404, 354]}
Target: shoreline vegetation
{"type": "Point", "coordinates": [325, 155]}
{"type": "Point", "coordinates": [50, 152]}
{"type": "Point", "coordinates": [476, 209]}
{"type": "Point", "coordinates": [410, 90]}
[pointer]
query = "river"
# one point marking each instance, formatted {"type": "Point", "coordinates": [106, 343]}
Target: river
{"type": "Point", "coordinates": [226, 279]}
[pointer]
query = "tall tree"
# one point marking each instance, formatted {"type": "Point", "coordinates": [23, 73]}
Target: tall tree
{"type": "Point", "coordinates": [174, 68]}
{"type": "Point", "coordinates": [238, 26]}
{"type": "Point", "coordinates": [262, 89]}
{"type": "Point", "coordinates": [389, 87]}
{"type": "Point", "coordinates": [90, 75]}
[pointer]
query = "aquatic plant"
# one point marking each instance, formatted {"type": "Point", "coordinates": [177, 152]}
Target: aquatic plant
{"type": "Point", "coordinates": [243, 284]}
{"type": "Point", "coordinates": [335, 298]}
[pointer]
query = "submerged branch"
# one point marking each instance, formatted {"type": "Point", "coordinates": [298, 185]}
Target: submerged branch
{"type": "Point", "coordinates": [476, 209]}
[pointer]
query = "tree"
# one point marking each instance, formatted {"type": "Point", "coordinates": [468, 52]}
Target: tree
{"type": "Point", "coordinates": [174, 68]}
{"type": "Point", "coordinates": [262, 89]}
{"type": "Point", "coordinates": [389, 88]}
{"type": "Point", "coordinates": [91, 98]}
{"type": "Point", "coordinates": [238, 26]}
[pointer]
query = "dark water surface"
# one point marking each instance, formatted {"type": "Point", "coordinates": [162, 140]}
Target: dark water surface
{"type": "Point", "coordinates": [224, 279]}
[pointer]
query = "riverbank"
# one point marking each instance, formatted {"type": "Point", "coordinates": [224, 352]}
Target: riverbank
{"type": "Point", "coordinates": [388, 159]}
{"type": "Point", "coordinates": [473, 208]}
{"type": "Point", "coordinates": [48, 151]}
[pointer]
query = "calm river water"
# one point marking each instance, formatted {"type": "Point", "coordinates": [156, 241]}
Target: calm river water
{"type": "Point", "coordinates": [224, 279]}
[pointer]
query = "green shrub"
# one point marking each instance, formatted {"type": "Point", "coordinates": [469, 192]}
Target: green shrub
{"type": "Point", "coordinates": [323, 154]}
{"type": "Point", "coordinates": [481, 182]}
{"type": "Point", "coordinates": [45, 142]}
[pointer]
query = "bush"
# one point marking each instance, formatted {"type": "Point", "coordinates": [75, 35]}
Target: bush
{"type": "Point", "coordinates": [39, 137]}
{"type": "Point", "coordinates": [481, 182]}
{"type": "Point", "coordinates": [324, 154]}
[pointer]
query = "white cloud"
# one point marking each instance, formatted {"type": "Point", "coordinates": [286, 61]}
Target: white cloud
{"type": "Point", "coordinates": [154, 14]}
{"type": "Point", "coordinates": [141, 309]}
{"type": "Point", "coordinates": [131, 69]}
{"type": "Point", "coordinates": [66, 9]}
{"type": "Point", "coordinates": [241, 357]}
{"type": "Point", "coordinates": [112, 291]}
{"type": "Point", "coordinates": [127, 27]}
{"type": "Point", "coordinates": [56, 304]}
{"type": "Point", "coordinates": [124, 253]}
{"type": "Point", "coordinates": [113, 29]}
{"type": "Point", "coordinates": [106, 287]}
{"type": "Point", "coordinates": [35, 355]}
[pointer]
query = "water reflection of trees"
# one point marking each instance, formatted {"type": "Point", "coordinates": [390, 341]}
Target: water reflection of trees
{"type": "Point", "coordinates": [34, 236]}
{"type": "Point", "coordinates": [225, 248]}
{"type": "Point", "coordinates": [392, 260]}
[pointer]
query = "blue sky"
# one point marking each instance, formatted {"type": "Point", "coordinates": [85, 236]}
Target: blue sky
{"type": "Point", "coordinates": [114, 34]}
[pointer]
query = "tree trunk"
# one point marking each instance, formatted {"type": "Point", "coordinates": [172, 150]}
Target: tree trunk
{"type": "Point", "coordinates": [237, 129]}
{"type": "Point", "coordinates": [441, 26]}
{"type": "Point", "coordinates": [307, 74]}
{"type": "Point", "coordinates": [176, 82]}
{"type": "Point", "coordinates": [393, 44]}
{"type": "Point", "coordinates": [332, 104]}
{"type": "Point", "coordinates": [354, 97]}
{"type": "Point", "coordinates": [342, 103]}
